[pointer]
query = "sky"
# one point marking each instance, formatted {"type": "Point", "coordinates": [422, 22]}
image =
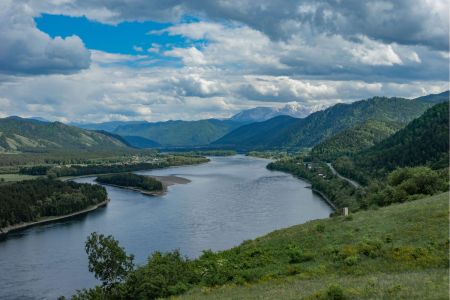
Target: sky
{"type": "Point", "coordinates": [104, 60]}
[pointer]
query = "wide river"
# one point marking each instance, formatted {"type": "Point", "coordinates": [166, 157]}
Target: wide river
{"type": "Point", "coordinates": [228, 200]}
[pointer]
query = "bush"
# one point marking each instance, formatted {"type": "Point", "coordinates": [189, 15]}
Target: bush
{"type": "Point", "coordinates": [351, 260]}
{"type": "Point", "coordinates": [335, 292]}
{"type": "Point", "coordinates": [320, 228]}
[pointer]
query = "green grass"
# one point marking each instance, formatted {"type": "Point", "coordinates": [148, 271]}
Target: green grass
{"type": "Point", "coordinates": [15, 177]}
{"type": "Point", "coordinates": [396, 252]}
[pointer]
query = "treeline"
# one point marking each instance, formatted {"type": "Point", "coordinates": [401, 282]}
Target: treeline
{"type": "Point", "coordinates": [30, 200]}
{"type": "Point", "coordinates": [131, 180]}
{"type": "Point", "coordinates": [66, 157]}
{"type": "Point", "coordinates": [89, 169]}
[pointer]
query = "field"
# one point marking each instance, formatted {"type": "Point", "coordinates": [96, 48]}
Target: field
{"type": "Point", "coordinates": [400, 251]}
{"type": "Point", "coordinates": [15, 177]}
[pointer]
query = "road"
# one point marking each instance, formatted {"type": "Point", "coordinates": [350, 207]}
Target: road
{"type": "Point", "coordinates": [352, 182]}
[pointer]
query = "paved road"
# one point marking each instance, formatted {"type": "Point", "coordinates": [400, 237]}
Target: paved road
{"type": "Point", "coordinates": [352, 182]}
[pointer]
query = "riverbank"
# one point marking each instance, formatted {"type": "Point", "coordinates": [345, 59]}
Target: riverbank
{"type": "Point", "coordinates": [13, 228]}
{"type": "Point", "coordinates": [165, 180]}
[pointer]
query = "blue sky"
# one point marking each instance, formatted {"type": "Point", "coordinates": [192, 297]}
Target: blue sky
{"type": "Point", "coordinates": [131, 38]}
{"type": "Point", "coordinates": [121, 38]}
{"type": "Point", "coordinates": [93, 61]}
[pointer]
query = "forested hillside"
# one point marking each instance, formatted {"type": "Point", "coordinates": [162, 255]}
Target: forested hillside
{"type": "Point", "coordinates": [355, 139]}
{"type": "Point", "coordinates": [424, 141]}
{"type": "Point", "coordinates": [313, 129]}
{"type": "Point", "coordinates": [25, 135]}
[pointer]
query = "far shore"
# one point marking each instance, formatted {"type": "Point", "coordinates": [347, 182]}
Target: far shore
{"type": "Point", "coordinates": [17, 227]}
{"type": "Point", "coordinates": [165, 180]}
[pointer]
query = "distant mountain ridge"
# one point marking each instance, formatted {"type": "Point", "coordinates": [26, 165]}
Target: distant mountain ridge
{"type": "Point", "coordinates": [180, 133]}
{"type": "Point", "coordinates": [309, 131]}
{"type": "Point", "coordinates": [260, 114]}
{"type": "Point", "coordinates": [29, 135]}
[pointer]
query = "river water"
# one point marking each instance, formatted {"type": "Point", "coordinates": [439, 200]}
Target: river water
{"type": "Point", "coordinates": [228, 200]}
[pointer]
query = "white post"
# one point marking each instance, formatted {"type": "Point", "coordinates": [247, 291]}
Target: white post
{"type": "Point", "coordinates": [345, 211]}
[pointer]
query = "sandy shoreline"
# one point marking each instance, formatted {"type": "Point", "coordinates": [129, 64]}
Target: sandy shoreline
{"type": "Point", "coordinates": [4, 231]}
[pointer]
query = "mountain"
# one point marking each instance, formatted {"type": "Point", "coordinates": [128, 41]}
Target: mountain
{"type": "Point", "coordinates": [180, 133]}
{"type": "Point", "coordinates": [424, 141]}
{"type": "Point", "coordinates": [140, 142]}
{"type": "Point", "coordinates": [310, 131]}
{"type": "Point", "coordinates": [105, 126]}
{"type": "Point", "coordinates": [355, 139]}
{"type": "Point", "coordinates": [257, 135]}
{"type": "Point", "coordinates": [259, 114]}
{"type": "Point", "coordinates": [28, 135]}
{"type": "Point", "coordinates": [435, 98]}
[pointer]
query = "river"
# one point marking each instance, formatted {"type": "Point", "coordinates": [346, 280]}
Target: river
{"type": "Point", "coordinates": [228, 200]}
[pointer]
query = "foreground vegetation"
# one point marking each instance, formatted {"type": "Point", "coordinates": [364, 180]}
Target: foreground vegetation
{"type": "Point", "coordinates": [141, 182]}
{"type": "Point", "coordinates": [403, 245]}
{"type": "Point", "coordinates": [31, 200]}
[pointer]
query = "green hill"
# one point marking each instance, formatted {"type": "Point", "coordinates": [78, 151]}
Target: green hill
{"type": "Point", "coordinates": [424, 141]}
{"type": "Point", "coordinates": [310, 131]}
{"type": "Point", "coordinates": [179, 133]}
{"type": "Point", "coordinates": [396, 252]}
{"type": "Point", "coordinates": [25, 135]}
{"type": "Point", "coordinates": [355, 139]}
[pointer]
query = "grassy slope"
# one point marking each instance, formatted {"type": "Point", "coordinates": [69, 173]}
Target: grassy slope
{"type": "Point", "coordinates": [401, 251]}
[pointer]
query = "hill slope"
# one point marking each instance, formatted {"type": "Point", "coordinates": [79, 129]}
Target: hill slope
{"type": "Point", "coordinates": [179, 133]}
{"type": "Point", "coordinates": [355, 139]}
{"type": "Point", "coordinates": [25, 135]}
{"type": "Point", "coordinates": [423, 141]}
{"type": "Point", "coordinates": [313, 129]}
{"type": "Point", "coordinates": [382, 254]}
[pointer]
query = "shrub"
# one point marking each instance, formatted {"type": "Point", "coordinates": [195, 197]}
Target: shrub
{"type": "Point", "coordinates": [297, 255]}
{"type": "Point", "coordinates": [320, 228]}
{"type": "Point", "coordinates": [335, 292]}
{"type": "Point", "coordinates": [351, 260]}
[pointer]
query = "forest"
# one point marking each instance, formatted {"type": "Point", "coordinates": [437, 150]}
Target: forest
{"type": "Point", "coordinates": [142, 182]}
{"type": "Point", "coordinates": [30, 200]}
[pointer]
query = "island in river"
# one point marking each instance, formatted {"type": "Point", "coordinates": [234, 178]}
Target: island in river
{"type": "Point", "coordinates": [147, 185]}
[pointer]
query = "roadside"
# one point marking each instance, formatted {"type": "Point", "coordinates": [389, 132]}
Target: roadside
{"type": "Point", "coordinates": [352, 182]}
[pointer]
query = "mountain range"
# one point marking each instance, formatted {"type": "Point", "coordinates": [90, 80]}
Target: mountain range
{"type": "Point", "coordinates": [193, 133]}
{"type": "Point", "coordinates": [340, 129]}
{"type": "Point", "coordinates": [288, 132]}
{"type": "Point", "coordinates": [260, 114]}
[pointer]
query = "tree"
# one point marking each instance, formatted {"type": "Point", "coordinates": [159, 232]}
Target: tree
{"type": "Point", "coordinates": [107, 260]}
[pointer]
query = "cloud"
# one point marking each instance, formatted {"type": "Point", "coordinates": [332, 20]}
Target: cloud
{"type": "Point", "coordinates": [120, 92]}
{"type": "Point", "coordinates": [237, 55]}
{"type": "Point", "coordinates": [25, 50]}
{"type": "Point", "coordinates": [405, 22]}
{"type": "Point", "coordinates": [243, 50]}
